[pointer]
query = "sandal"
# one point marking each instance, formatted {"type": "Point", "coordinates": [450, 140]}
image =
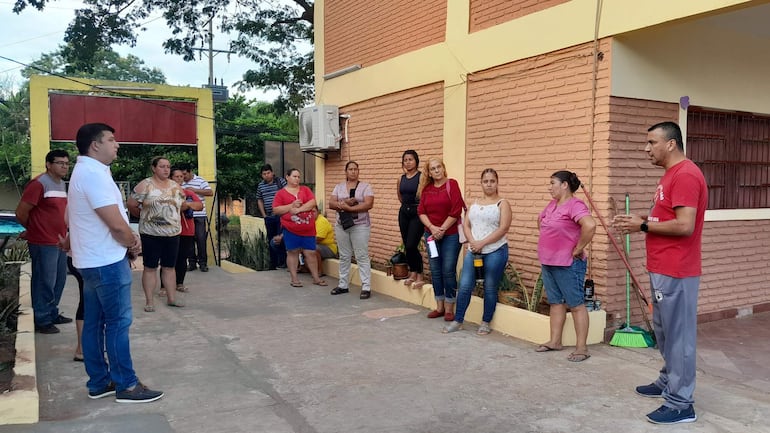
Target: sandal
{"type": "Point", "coordinates": [578, 357]}
{"type": "Point", "coordinates": [484, 329]}
{"type": "Point", "coordinates": [418, 284]}
{"type": "Point", "coordinates": [175, 304]}
{"type": "Point", "coordinates": [182, 289]}
{"type": "Point", "coordinates": [297, 284]}
{"type": "Point", "coordinates": [408, 282]}
{"type": "Point", "coordinates": [321, 283]}
{"type": "Point", "coordinates": [149, 308]}
{"type": "Point", "coordinates": [452, 327]}
{"type": "Point", "coordinates": [162, 293]}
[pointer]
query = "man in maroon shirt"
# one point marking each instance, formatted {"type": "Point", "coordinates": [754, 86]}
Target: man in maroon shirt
{"type": "Point", "coordinates": [41, 212]}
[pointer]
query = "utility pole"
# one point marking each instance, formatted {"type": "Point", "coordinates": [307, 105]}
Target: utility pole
{"type": "Point", "coordinates": [219, 92]}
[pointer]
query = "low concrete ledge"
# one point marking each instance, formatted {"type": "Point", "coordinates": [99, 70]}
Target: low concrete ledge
{"type": "Point", "coordinates": [22, 404]}
{"type": "Point", "coordinates": [516, 322]}
{"type": "Point", "coordinates": [234, 268]}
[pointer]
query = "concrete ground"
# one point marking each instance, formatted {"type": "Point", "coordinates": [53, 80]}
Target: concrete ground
{"type": "Point", "coordinates": [249, 353]}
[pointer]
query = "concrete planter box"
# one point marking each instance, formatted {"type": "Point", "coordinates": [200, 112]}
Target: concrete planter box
{"type": "Point", "coordinates": [21, 405]}
{"type": "Point", "coordinates": [516, 322]}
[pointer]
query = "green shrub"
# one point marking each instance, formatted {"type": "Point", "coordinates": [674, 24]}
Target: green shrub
{"type": "Point", "coordinates": [252, 252]}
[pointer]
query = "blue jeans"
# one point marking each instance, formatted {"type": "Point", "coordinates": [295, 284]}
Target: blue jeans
{"type": "Point", "coordinates": [49, 273]}
{"type": "Point", "coordinates": [565, 284]}
{"type": "Point", "coordinates": [443, 269]}
{"type": "Point", "coordinates": [107, 299]}
{"type": "Point", "coordinates": [494, 265]}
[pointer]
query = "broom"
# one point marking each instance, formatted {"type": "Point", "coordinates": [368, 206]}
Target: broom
{"type": "Point", "coordinates": [627, 335]}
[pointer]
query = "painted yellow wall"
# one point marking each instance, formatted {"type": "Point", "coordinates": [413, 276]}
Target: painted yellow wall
{"type": "Point", "coordinates": [695, 60]}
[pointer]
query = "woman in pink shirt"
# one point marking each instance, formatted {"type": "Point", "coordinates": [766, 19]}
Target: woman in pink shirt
{"type": "Point", "coordinates": [566, 228]}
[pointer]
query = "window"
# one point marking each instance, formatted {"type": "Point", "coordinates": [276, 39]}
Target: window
{"type": "Point", "coordinates": [733, 150]}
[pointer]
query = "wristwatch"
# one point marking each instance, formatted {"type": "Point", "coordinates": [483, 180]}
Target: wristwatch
{"type": "Point", "coordinates": [644, 227]}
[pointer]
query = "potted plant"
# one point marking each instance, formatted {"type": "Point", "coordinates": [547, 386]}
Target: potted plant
{"type": "Point", "coordinates": [396, 265]}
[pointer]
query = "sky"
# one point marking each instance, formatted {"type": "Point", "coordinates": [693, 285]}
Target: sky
{"type": "Point", "coordinates": [26, 36]}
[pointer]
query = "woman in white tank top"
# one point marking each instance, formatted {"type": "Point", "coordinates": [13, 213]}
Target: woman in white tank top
{"type": "Point", "coordinates": [486, 225]}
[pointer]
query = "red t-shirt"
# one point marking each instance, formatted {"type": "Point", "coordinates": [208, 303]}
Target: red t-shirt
{"type": "Point", "coordinates": [188, 224]}
{"type": "Point", "coordinates": [438, 203]}
{"type": "Point", "coordinates": [46, 219]}
{"type": "Point", "coordinates": [678, 256]}
{"type": "Point", "coordinates": [303, 223]}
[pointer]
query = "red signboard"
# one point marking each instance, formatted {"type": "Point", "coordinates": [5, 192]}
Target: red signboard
{"type": "Point", "coordinates": [136, 120]}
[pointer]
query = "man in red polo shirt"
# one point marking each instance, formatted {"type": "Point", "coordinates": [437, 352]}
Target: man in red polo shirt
{"type": "Point", "coordinates": [41, 212]}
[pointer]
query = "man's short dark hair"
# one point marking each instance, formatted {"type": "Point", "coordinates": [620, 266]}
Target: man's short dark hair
{"type": "Point", "coordinates": [671, 131]}
{"type": "Point", "coordinates": [184, 166]}
{"type": "Point", "coordinates": [56, 153]}
{"type": "Point", "coordinates": [90, 132]}
{"type": "Point", "coordinates": [266, 167]}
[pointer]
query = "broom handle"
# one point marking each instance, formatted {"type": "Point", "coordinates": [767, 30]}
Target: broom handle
{"type": "Point", "coordinates": [628, 274]}
{"type": "Point", "coordinates": [616, 246]}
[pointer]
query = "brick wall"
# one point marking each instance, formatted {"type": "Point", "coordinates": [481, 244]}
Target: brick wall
{"type": "Point", "coordinates": [734, 279]}
{"type": "Point", "coordinates": [364, 32]}
{"type": "Point", "coordinates": [380, 130]}
{"type": "Point", "coordinates": [488, 13]}
{"type": "Point", "coordinates": [527, 120]}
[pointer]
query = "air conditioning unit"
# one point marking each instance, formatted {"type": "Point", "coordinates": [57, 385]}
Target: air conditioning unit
{"type": "Point", "coordinates": [319, 128]}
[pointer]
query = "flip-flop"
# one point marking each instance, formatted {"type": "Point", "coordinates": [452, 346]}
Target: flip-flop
{"type": "Point", "coordinates": [78, 358]}
{"type": "Point", "coordinates": [293, 284]}
{"type": "Point", "coordinates": [321, 283]}
{"type": "Point", "coordinates": [175, 304]}
{"type": "Point", "coordinates": [544, 348]}
{"type": "Point", "coordinates": [182, 289]}
{"type": "Point", "coordinates": [149, 308]}
{"type": "Point", "coordinates": [578, 357]}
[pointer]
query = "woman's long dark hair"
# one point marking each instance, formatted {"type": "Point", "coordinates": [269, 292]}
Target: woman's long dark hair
{"type": "Point", "coordinates": [569, 177]}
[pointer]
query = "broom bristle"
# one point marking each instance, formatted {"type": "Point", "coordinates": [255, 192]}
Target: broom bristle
{"type": "Point", "coordinates": [628, 337]}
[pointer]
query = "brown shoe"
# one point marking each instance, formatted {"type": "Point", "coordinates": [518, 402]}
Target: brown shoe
{"type": "Point", "coordinates": [449, 316]}
{"type": "Point", "coordinates": [434, 314]}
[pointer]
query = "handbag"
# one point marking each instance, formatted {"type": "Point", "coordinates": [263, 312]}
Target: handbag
{"type": "Point", "coordinates": [460, 233]}
{"type": "Point", "coordinates": [347, 219]}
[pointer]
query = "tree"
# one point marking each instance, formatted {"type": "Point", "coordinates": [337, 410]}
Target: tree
{"type": "Point", "coordinates": [268, 32]}
{"type": "Point", "coordinates": [241, 130]}
{"type": "Point", "coordinates": [108, 65]}
{"type": "Point", "coordinates": [14, 135]}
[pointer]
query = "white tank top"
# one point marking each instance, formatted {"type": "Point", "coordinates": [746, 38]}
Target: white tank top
{"type": "Point", "coordinates": [484, 220]}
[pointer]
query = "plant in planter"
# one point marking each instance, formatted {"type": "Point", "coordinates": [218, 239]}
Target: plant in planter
{"type": "Point", "coordinates": [513, 291]}
{"type": "Point", "coordinates": [396, 265]}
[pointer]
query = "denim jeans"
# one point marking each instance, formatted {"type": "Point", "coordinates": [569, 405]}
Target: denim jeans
{"type": "Point", "coordinates": [49, 273]}
{"type": "Point", "coordinates": [443, 269]}
{"type": "Point", "coordinates": [107, 299]}
{"type": "Point", "coordinates": [494, 265]}
{"type": "Point", "coordinates": [354, 241]}
{"type": "Point", "coordinates": [199, 254]}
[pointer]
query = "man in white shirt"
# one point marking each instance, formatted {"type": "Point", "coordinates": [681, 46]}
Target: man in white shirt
{"type": "Point", "coordinates": [100, 240]}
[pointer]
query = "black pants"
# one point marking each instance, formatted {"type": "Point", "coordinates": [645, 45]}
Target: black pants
{"type": "Point", "coordinates": [75, 273]}
{"type": "Point", "coordinates": [185, 250]}
{"type": "Point", "coordinates": [198, 254]}
{"type": "Point", "coordinates": [273, 228]}
{"type": "Point", "coordinates": [411, 233]}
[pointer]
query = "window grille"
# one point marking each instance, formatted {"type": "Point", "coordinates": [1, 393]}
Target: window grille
{"type": "Point", "coordinates": [733, 151]}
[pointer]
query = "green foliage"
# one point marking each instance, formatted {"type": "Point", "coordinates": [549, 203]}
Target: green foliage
{"type": "Point", "coordinates": [269, 33]}
{"type": "Point", "coordinates": [105, 65]}
{"type": "Point", "coordinates": [15, 165]}
{"type": "Point", "coordinates": [511, 283]}
{"type": "Point", "coordinates": [235, 220]}
{"type": "Point", "coordinates": [17, 252]}
{"type": "Point", "coordinates": [252, 252]}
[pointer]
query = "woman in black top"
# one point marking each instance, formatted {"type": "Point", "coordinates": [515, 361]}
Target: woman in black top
{"type": "Point", "coordinates": [408, 220]}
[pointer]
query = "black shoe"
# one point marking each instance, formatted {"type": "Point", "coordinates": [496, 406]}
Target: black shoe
{"type": "Point", "coordinates": [47, 329]}
{"type": "Point", "coordinates": [339, 291]}
{"type": "Point", "coordinates": [650, 390]}
{"type": "Point", "coordinates": [104, 392]}
{"type": "Point", "coordinates": [192, 267]}
{"type": "Point", "coordinates": [140, 394]}
{"type": "Point", "coordinates": [668, 415]}
{"type": "Point", "coordinates": [61, 320]}
{"type": "Point", "coordinates": [204, 267]}
{"type": "Point", "coordinates": [365, 294]}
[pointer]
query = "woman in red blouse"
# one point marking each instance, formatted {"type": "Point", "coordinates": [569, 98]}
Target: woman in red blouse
{"type": "Point", "coordinates": [441, 205]}
{"type": "Point", "coordinates": [296, 205]}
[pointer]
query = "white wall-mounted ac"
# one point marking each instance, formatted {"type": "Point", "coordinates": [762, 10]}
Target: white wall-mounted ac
{"type": "Point", "coordinates": [319, 128]}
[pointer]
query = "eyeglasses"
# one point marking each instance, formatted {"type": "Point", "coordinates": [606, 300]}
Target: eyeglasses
{"type": "Point", "coordinates": [61, 163]}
